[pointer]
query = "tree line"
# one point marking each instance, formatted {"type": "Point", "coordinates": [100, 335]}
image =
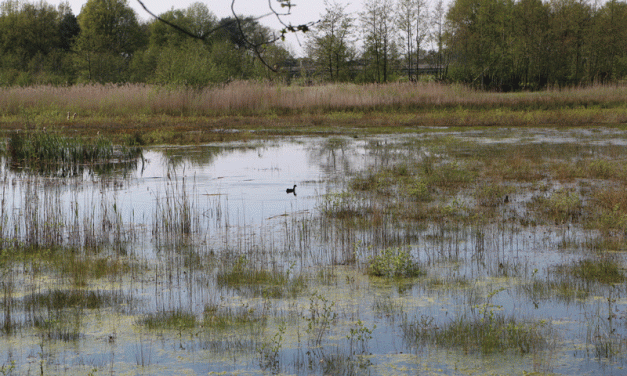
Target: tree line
{"type": "Point", "coordinates": [489, 44]}
{"type": "Point", "coordinates": [105, 43]}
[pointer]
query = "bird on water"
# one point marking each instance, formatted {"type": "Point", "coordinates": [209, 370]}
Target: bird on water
{"type": "Point", "coordinates": [291, 190]}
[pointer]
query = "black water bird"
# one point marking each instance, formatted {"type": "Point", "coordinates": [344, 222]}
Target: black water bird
{"type": "Point", "coordinates": [291, 190]}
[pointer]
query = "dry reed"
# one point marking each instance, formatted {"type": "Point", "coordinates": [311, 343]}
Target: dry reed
{"type": "Point", "coordinates": [258, 98]}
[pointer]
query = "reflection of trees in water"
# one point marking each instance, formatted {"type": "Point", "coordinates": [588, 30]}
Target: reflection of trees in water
{"type": "Point", "coordinates": [347, 156]}
{"type": "Point", "coordinates": [336, 154]}
{"type": "Point", "coordinates": [201, 155]}
{"type": "Point", "coordinates": [105, 169]}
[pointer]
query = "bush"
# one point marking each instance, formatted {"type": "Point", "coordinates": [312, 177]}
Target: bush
{"type": "Point", "coordinates": [393, 263]}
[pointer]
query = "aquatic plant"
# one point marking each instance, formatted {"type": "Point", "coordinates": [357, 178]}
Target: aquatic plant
{"type": "Point", "coordinates": [359, 336]}
{"type": "Point", "coordinates": [603, 270]}
{"type": "Point", "coordinates": [561, 207]}
{"type": "Point", "coordinates": [41, 148]}
{"type": "Point", "coordinates": [487, 331]}
{"type": "Point", "coordinates": [216, 317]}
{"type": "Point", "coordinates": [393, 263]}
{"type": "Point", "coordinates": [269, 352]}
{"type": "Point", "coordinates": [260, 282]}
{"type": "Point", "coordinates": [178, 319]}
{"type": "Point", "coordinates": [320, 317]}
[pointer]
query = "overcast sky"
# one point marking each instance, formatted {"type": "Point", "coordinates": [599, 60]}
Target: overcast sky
{"type": "Point", "coordinates": [304, 11]}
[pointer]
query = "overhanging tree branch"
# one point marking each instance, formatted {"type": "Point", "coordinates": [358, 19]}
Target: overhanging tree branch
{"type": "Point", "coordinates": [256, 47]}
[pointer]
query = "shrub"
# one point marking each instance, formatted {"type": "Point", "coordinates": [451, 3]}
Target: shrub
{"type": "Point", "coordinates": [393, 263]}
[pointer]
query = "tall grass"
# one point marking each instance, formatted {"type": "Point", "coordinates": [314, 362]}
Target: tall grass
{"type": "Point", "coordinates": [262, 98]}
{"type": "Point", "coordinates": [55, 154]}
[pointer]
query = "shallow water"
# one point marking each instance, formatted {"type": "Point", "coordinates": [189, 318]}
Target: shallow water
{"type": "Point", "coordinates": [186, 213]}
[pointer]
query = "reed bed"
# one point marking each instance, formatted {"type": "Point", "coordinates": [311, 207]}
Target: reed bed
{"type": "Point", "coordinates": [259, 98]}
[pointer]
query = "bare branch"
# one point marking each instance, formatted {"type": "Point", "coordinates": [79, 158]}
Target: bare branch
{"type": "Point", "coordinates": [287, 28]}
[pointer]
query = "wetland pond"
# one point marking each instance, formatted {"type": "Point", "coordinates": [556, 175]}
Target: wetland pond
{"type": "Point", "coordinates": [498, 251]}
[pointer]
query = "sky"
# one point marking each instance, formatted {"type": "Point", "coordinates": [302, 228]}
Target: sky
{"type": "Point", "coordinates": [305, 11]}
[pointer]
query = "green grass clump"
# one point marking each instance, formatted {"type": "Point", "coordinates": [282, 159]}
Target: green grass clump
{"type": "Point", "coordinates": [604, 270]}
{"type": "Point", "coordinates": [486, 334]}
{"type": "Point", "coordinates": [561, 207]}
{"type": "Point", "coordinates": [40, 148]}
{"type": "Point", "coordinates": [604, 169]}
{"type": "Point", "coordinates": [419, 191]}
{"type": "Point", "coordinates": [564, 289]}
{"type": "Point", "coordinates": [272, 284]}
{"type": "Point", "coordinates": [450, 175]}
{"type": "Point", "coordinates": [215, 317]}
{"type": "Point", "coordinates": [491, 195]}
{"type": "Point", "coordinates": [178, 319]}
{"type": "Point", "coordinates": [393, 263]}
{"type": "Point", "coordinates": [61, 299]}
{"type": "Point", "coordinates": [494, 334]}
{"type": "Point", "coordinates": [344, 205]}
{"type": "Point", "coordinates": [609, 211]}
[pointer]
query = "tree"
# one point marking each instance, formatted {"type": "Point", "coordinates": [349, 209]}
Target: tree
{"type": "Point", "coordinates": [438, 18]}
{"type": "Point", "coordinates": [480, 33]}
{"type": "Point", "coordinates": [570, 24]}
{"type": "Point", "coordinates": [329, 44]}
{"type": "Point", "coordinates": [33, 46]}
{"type": "Point", "coordinates": [68, 31]}
{"type": "Point", "coordinates": [110, 34]}
{"type": "Point", "coordinates": [109, 26]}
{"type": "Point", "coordinates": [244, 33]}
{"type": "Point", "coordinates": [412, 22]}
{"type": "Point", "coordinates": [531, 45]}
{"type": "Point", "coordinates": [608, 60]}
{"type": "Point", "coordinates": [197, 19]}
{"type": "Point", "coordinates": [380, 49]}
{"type": "Point", "coordinates": [241, 24]}
{"type": "Point", "coordinates": [27, 30]}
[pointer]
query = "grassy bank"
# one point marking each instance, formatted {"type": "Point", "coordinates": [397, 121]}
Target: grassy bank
{"type": "Point", "coordinates": [155, 115]}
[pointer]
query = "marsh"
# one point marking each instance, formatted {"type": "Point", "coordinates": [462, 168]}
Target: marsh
{"type": "Point", "coordinates": [398, 255]}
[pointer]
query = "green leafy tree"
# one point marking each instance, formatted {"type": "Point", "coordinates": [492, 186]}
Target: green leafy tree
{"type": "Point", "coordinates": [608, 41]}
{"type": "Point", "coordinates": [197, 19]}
{"type": "Point", "coordinates": [531, 57]}
{"type": "Point", "coordinates": [480, 36]}
{"type": "Point", "coordinates": [279, 58]}
{"type": "Point", "coordinates": [198, 64]}
{"type": "Point", "coordinates": [110, 34]}
{"type": "Point", "coordinates": [243, 32]}
{"type": "Point", "coordinates": [68, 30]}
{"type": "Point", "coordinates": [26, 31]}
{"type": "Point", "coordinates": [330, 45]}
{"type": "Point", "coordinates": [33, 45]}
{"type": "Point", "coordinates": [570, 24]}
